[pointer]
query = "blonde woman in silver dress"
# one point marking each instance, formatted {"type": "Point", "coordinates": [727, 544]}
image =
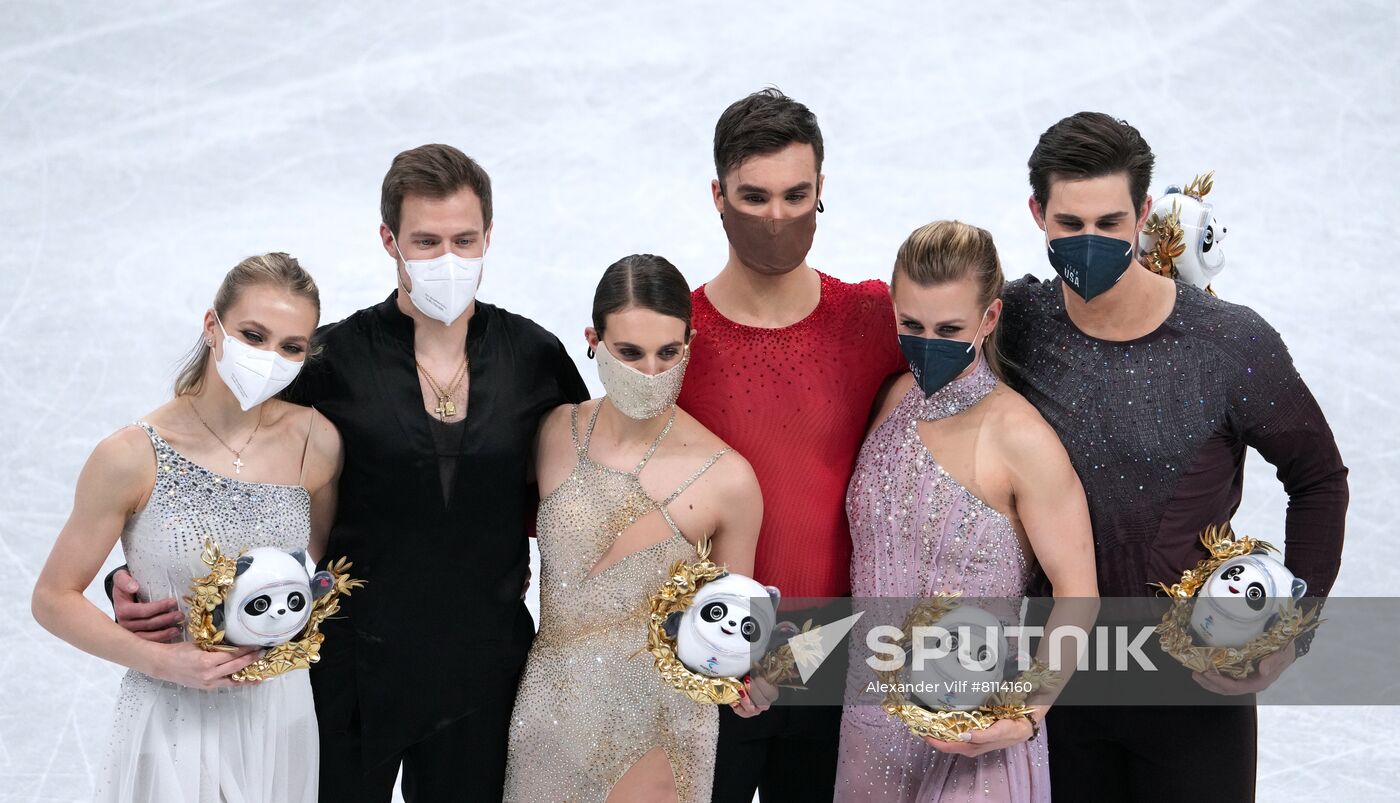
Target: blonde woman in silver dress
{"type": "Point", "coordinates": [222, 460]}
{"type": "Point", "coordinates": [630, 483]}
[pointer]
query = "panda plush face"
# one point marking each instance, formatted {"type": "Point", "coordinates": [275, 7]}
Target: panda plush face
{"type": "Point", "coordinates": [976, 650]}
{"type": "Point", "coordinates": [716, 615]}
{"type": "Point", "coordinates": [1240, 599]}
{"type": "Point", "coordinates": [271, 598]}
{"type": "Point", "coordinates": [727, 625]}
{"type": "Point", "coordinates": [1242, 580]}
{"type": "Point", "coordinates": [1204, 256]}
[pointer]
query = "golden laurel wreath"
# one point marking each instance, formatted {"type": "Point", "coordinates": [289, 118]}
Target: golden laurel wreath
{"type": "Point", "coordinates": [949, 725]}
{"type": "Point", "coordinates": [1237, 662]}
{"type": "Point", "coordinates": [675, 596]}
{"type": "Point", "coordinates": [207, 593]}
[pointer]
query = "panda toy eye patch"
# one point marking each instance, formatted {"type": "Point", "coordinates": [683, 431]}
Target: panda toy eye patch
{"type": "Point", "coordinates": [257, 606]}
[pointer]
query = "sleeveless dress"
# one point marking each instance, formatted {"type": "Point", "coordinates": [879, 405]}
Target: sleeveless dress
{"type": "Point", "coordinates": [590, 703]}
{"type": "Point", "coordinates": [915, 531]}
{"type": "Point", "coordinates": [174, 744]}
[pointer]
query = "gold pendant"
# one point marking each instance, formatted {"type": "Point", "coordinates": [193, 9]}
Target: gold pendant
{"type": "Point", "coordinates": [445, 408]}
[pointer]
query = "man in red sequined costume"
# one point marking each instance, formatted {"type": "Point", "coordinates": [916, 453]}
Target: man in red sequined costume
{"type": "Point", "coordinates": [785, 367]}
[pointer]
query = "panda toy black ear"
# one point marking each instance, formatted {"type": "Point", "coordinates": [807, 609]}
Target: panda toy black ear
{"type": "Point", "coordinates": [321, 584]}
{"type": "Point", "coordinates": [244, 564]}
{"type": "Point", "coordinates": [672, 625]}
{"type": "Point", "coordinates": [300, 555]}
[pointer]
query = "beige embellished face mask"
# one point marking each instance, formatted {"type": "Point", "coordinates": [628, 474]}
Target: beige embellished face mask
{"type": "Point", "coordinates": [635, 394]}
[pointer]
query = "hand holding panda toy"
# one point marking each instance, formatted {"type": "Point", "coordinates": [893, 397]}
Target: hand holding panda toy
{"type": "Point", "coordinates": [727, 625]}
{"type": "Point", "coordinates": [271, 598]}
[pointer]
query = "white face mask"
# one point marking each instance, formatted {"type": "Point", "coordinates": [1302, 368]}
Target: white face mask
{"type": "Point", "coordinates": [635, 394]}
{"type": "Point", "coordinates": [253, 375]}
{"type": "Point", "coordinates": [444, 286]}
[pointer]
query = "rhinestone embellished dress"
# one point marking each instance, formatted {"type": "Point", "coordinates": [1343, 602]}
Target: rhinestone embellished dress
{"type": "Point", "coordinates": [915, 531]}
{"type": "Point", "coordinates": [174, 744]}
{"type": "Point", "coordinates": [591, 702]}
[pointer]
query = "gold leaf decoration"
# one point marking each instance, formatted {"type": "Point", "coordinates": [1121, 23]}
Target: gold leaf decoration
{"type": "Point", "coordinates": [1174, 632]}
{"type": "Point", "coordinates": [207, 593]}
{"type": "Point", "coordinates": [1200, 186]}
{"type": "Point", "coordinates": [675, 596]}
{"type": "Point", "coordinates": [1170, 242]}
{"type": "Point", "coordinates": [948, 725]}
{"type": "Point", "coordinates": [1236, 662]}
{"type": "Point", "coordinates": [1221, 543]}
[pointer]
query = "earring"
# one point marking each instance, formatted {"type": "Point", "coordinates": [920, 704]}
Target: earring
{"type": "Point", "coordinates": [590, 353]}
{"type": "Point", "coordinates": [208, 341]}
{"type": "Point", "coordinates": [820, 207]}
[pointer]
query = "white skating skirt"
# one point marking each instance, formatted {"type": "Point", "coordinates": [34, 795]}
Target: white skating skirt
{"type": "Point", "coordinates": [246, 744]}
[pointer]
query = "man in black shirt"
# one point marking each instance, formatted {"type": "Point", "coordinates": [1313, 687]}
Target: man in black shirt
{"type": "Point", "coordinates": [1156, 388]}
{"type": "Point", "coordinates": [437, 397]}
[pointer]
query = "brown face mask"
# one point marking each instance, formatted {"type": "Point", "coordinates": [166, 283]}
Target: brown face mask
{"type": "Point", "coordinates": [770, 245]}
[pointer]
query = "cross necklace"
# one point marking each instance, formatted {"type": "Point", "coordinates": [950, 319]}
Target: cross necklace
{"type": "Point", "coordinates": [237, 453]}
{"type": "Point", "coordinates": [446, 408]}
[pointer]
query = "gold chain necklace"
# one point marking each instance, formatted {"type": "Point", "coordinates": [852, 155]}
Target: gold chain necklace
{"type": "Point", "coordinates": [446, 408]}
{"type": "Point", "coordinates": [237, 453]}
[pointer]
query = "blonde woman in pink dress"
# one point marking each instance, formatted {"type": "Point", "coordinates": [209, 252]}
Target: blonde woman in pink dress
{"type": "Point", "coordinates": [962, 487]}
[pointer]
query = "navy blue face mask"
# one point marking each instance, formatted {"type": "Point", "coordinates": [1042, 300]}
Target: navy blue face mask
{"type": "Point", "coordinates": [1089, 263]}
{"type": "Point", "coordinates": [935, 361]}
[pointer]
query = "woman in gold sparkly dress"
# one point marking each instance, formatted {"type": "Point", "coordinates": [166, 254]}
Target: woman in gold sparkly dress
{"type": "Point", "coordinates": [630, 483]}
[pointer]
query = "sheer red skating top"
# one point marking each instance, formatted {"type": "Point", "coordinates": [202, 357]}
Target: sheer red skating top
{"type": "Point", "coordinates": [795, 401]}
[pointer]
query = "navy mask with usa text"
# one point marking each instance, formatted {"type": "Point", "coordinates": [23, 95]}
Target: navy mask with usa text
{"type": "Point", "coordinates": [936, 361]}
{"type": "Point", "coordinates": [1089, 263]}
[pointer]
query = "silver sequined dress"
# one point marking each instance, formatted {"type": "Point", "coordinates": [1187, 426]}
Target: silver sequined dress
{"type": "Point", "coordinates": [915, 531]}
{"type": "Point", "coordinates": [174, 744]}
{"type": "Point", "coordinates": [591, 703]}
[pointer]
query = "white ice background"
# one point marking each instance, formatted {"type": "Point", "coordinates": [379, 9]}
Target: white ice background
{"type": "Point", "coordinates": [145, 147]}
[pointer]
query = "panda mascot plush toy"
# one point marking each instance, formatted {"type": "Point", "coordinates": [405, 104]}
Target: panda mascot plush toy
{"type": "Point", "coordinates": [271, 598]}
{"type": "Point", "coordinates": [1182, 238]}
{"type": "Point", "coordinates": [727, 625]}
{"type": "Point", "coordinates": [976, 652]}
{"type": "Point", "coordinates": [1241, 599]}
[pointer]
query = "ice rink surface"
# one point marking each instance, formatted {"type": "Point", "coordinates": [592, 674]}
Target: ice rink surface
{"type": "Point", "coordinates": [146, 147]}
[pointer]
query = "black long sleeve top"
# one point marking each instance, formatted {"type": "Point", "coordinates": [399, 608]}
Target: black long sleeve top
{"type": "Point", "coordinates": [1157, 428]}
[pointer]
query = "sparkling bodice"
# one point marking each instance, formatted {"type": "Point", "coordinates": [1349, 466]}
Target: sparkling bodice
{"type": "Point", "coordinates": [189, 503]}
{"type": "Point", "coordinates": [914, 529]}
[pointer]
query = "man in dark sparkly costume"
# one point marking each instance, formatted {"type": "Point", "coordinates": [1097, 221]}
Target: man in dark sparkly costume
{"type": "Point", "coordinates": [1156, 388]}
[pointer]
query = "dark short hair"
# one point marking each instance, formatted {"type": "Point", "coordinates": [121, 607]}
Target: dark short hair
{"type": "Point", "coordinates": [434, 171]}
{"type": "Point", "coordinates": [765, 122]}
{"type": "Point", "coordinates": [641, 280]}
{"type": "Point", "coordinates": [1091, 145]}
